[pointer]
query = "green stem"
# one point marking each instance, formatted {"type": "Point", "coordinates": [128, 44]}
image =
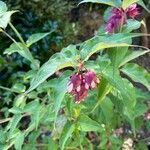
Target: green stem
{"type": "Point", "coordinates": [5, 88]}
{"type": "Point", "coordinates": [12, 39]}
{"type": "Point", "coordinates": [103, 89]}
{"type": "Point", "coordinates": [17, 33]}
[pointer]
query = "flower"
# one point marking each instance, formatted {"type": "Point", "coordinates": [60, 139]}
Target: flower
{"type": "Point", "coordinates": [115, 20]}
{"type": "Point", "coordinates": [132, 11]}
{"type": "Point", "coordinates": [119, 17]}
{"type": "Point", "coordinates": [80, 83]}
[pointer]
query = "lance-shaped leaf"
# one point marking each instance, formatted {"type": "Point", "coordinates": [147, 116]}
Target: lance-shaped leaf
{"type": "Point", "coordinates": [141, 2]}
{"type": "Point", "coordinates": [21, 49]}
{"type": "Point", "coordinates": [137, 74]}
{"type": "Point", "coordinates": [98, 43]}
{"type": "Point", "coordinates": [115, 3]}
{"type": "Point", "coordinates": [127, 91]}
{"type": "Point", "coordinates": [66, 58]}
{"type": "Point", "coordinates": [66, 134]}
{"type": "Point", "coordinates": [87, 124]}
{"type": "Point", "coordinates": [5, 18]}
{"type": "Point", "coordinates": [36, 37]}
{"type": "Point", "coordinates": [132, 55]}
{"type": "Point", "coordinates": [131, 25]}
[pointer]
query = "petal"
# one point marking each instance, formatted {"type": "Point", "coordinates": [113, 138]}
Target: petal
{"type": "Point", "coordinates": [93, 84]}
{"type": "Point", "coordinates": [78, 88]}
{"type": "Point", "coordinates": [70, 88]}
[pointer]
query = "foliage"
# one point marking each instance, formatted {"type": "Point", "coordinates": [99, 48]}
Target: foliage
{"type": "Point", "coordinates": [38, 110]}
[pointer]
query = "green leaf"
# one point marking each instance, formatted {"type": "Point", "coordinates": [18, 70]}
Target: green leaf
{"type": "Point", "coordinates": [140, 109]}
{"type": "Point", "coordinates": [103, 89]}
{"type": "Point", "coordinates": [127, 3]}
{"type": "Point", "coordinates": [19, 141]}
{"type": "Point", "coordinates": [137, 74]}
{"type": "Point", "coordinates": [5, 18]}
{"type": "Point", "coordinates": [13, 123]}
{"type": "Point", "coordinates": [3, 7]}
{"type": "Point", "coordinates": [127, 91]}
{"type": "Point", "coordinates": [60, 93]}
{"type": "Point", "coordinates": [141, 2]}
{"type": "Point", "coordinates": [132, 55]}
{"type": "Point", "coordinates": [31, 107]}
{"type": "Point", "coordinates": [87, 124]}
{"type": "Point", "coordinates": [98, 43]}
{"type": "Point", "coordinates": [36, 37]}
{"type": "Point", "coordinates": [131, 25]}
{"type": "Point", "coordinates": [66, 134]}
{"type": "Point", "coordinates": [115, 3]}
{"type": "Point", "coordinates": [107, 108]}
{"type": "Point", "coordinates": [66, 58]}
{"type": "Point", "coordinates": [19, 48]}
{"type": "Point", "coordinates": [18, 88]}
{"type": "Point", "coordinates": [34, 109]}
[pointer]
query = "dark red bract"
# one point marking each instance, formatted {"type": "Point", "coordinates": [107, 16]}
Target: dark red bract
{"type": "Point", "coordinates": [80, 83]}
{"type": "Point", "coordinates": [119, 17]}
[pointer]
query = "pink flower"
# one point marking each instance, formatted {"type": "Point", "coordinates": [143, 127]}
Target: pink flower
{"type": "Point", "coordinates": [115, 20]}
{"type": "Point", "coordinates": [132, 11]}
{"type": "Point", "coordinates": [90, 80]}
{"type": "Point", "coordinates": [119, 17]}
{"type": "Point", "coordinates": [80, 83]}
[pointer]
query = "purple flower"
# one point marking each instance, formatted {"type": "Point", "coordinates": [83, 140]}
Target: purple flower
{"type": "Point", "coordinates": [115, 20]}
{"type": "Point", "coordinates": [119, 17]}
{"type": "Point", "coordinates": [80, 83]}
{"type": "Point", "coordinates": [90, 80]}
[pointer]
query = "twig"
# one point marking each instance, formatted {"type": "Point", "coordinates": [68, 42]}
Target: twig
{"type": "Point", "coordinates": [8, 119]}
{"type": "Point", "coordinates": [5, 88]}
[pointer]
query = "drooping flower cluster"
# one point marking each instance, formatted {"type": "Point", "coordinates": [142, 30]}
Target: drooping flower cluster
{"type": "Point", "coordinates": [80, 83]}
{"type": "Point", "coordinates": [119, 17]}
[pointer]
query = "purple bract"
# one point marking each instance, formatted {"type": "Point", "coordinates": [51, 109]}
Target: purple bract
{"type": "Point", "coordinates": [119, 17]}
{"type": "Point", "coordinates": [80, 83]}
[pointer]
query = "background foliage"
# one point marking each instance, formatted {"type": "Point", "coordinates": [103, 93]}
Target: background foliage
{"type": "Point", "coordinates": [36, 110]}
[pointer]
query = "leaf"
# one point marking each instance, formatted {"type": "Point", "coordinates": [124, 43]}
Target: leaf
{"type": "Point", "coordinates": [33, 108]}
{"type": "Point", "coordinates": [66, 58]}
{"type": "Point", "coordinates": [3, 7]}
{"type": "Point", "coordinates": [141, 3]}
{"type": "Point", "coordinates": [36, 37]}
{"type": "Point", "coordinates": [61, 90]}
{"type": "Point", "coordinates": [107, 108]}
{"type": "Point", "coordinates": [19, 48]}
{"type": "Point", "coordinates": [126, 90]}
{"type": "Point", "coordinates": [66, 134]}
{"type": "Point", "coordinates": [18, 88]}
{"type": "Point", "coordinates": [13, 123]}
{"type": "Point", "coordinates": [127, 3]}
{"type": "Point", "coordinates": [137, 74]}
{"type": "Point", "coordinates": [98, 43]}
{"type": "Point", "coordinates": [131, 25]}
{"type": "Point", "coordinates": [140, 109]}
{"type": "Point", "coordinates": [115, 3]}
{"type": "Point", "coordinates": [19, 141]}
{"type": "Point", "coordinates": [132, 55]}
{"type": "Point", "coordinates": [87, 124]}
{"type": "Point", "coordinates": [5, 18]}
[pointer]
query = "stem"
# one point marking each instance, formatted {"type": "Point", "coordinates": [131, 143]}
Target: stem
{"type": "Point", "coordinates": [17, 33]}
{"type": "Point", "coordinates": [5, 88]}
{"type": "Point", "coordinates": [12, 39]}
{"type": "Point", "coordinates": [8, 119]}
